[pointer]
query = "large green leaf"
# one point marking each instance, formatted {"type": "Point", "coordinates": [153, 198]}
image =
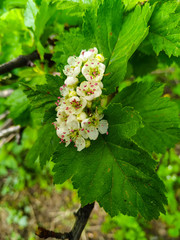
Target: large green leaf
{"type": "Point", "coordinates": [164, 28]}
{"type": "Point", "coordinates": [159, 115]}
{"type": "Point", "coordinates": [104, 26]}
{"type": "Point", "coordinates": [114, 171]}
{"type": "Point", "coordinates": [134, 30]}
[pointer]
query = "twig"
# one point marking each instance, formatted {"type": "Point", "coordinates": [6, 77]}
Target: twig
{"type": "Point", "coordinates": [10, 130]}
{"type": "Point", "coordinates": [4, 115]}
{"type": "Point", "coordinates": [7, 139]}
{"type": "Point", "coordinates": [6, 124]}
{"type": "Point", "coordinates": [23, 61]}
{"type": "Point", "coordinates": [82, 217]}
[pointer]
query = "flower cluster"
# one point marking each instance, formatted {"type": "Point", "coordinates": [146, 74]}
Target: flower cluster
{"type": "Point", "coordinates": [79, 118]}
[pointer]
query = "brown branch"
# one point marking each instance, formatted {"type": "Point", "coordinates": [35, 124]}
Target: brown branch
{"type": "Point", "coordinates": [4, 115]}
{"type": "Point", "coordinates": [23, 61]}
{"type": "Point", "coordinates": [82, 217]}
{"type": "Point", "coordinates": [8, 131]}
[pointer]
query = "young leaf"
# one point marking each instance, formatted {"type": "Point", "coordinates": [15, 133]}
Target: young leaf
{"type": "Point", "coordinates": [113, 171]}
{"type": "Point", "coordinates": [159, 116]}
{"type": "Point", "coordinates": [30, 14]}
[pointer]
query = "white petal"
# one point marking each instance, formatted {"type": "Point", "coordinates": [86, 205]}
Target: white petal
{"type": "Point", "coordinates": [82, 116]}
{"type": "Point", "coordinates": [83, 133]}
{"type": "Point", "coordinates": [67, 140]}
{"type": "Point", "coordinates": [92, 132]}
{"type": "Point", "coordinates": [84, 123]}
{"type": "Point", "coordinates": [103, 126]}
{"type": "Point", "coordinates": [76, 71]}
{"type": "Point", "coordinates": [80, 143]}
{"type": "Point", "coordinates": [71, 61]}
{"type": "Point", "coordinates": [71, 81]}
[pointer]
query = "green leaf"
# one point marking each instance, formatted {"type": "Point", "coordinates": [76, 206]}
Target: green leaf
{"type": "Point", "coordinates": [159, 116]}
{"type": "Point", "coordinates": [164, 32]}
{"type": "Point", "coordinates": [44, 97]}
{"type": "Point", "coordinates": [15, 35]}
{"type": "Point", "coordinates": [46, 11]}
{"type": "Point", "coordinates": [44, 146]}
{"type": "Point", "coordinates": [131, 4]}
{"type": "Point", "coordinates": [114, 172]}
{"type": "Point", "coordinates": [133, 32]}
{"type": "Point", "coordinates": [104, 26]}
{"type": "Point", "coordinates": [124, 121]}
{"type": "Point", "coordinates": [72, 44]}
{"type": "Point", "coordinates": [30, 14]}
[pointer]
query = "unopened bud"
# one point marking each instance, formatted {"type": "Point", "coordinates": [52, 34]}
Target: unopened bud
{"type": "Point", "coordinates": [100, 57]}
{"type": "Point", "coordinates": [88, 143]}
{"type": "Point", "coordinates": [89, 104]}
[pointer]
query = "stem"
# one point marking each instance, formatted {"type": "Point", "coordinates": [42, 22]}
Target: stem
{"type": "Point", "coordinates": [82, 217]}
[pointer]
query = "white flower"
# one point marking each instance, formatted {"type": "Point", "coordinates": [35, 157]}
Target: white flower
{"type": "Point", "coordinates": [88, 130]}
{"type": "Point", "coordinates": [71, 81]}
{"type": "Point", "coordinates": [71, 70]}
{"type": "Point", "coordinates": [62, 116]}
{"type": "Point", "coordinates": [91, 53]}
{"type": "Point", "coordinates": [74, 61]}
{"type": "Point", "coordinates": [103, 126]}
{"type": "Point", "coordinates": [63, 133]}
{"type": "Point", "coordinates": [93, 70]}
{"type": "Point", "coordinates": [89, 90]}
{"type": "Point", "coordinates": [72, 123]}
{"type": "Point", "coordinates": [75, 105]}
{"type": "Point", "coordinates": [82, 116]}
{"type": "Point", "coordinates": [74, 67]}
{"type": "Point", "coordinates": [80, 143]}
{"type": "Point", "coordinates": [64, 90]}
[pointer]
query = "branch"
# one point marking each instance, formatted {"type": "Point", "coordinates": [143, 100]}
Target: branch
{"type": "Point", "coordinates": [10, 130]}
{"type": "Point", "coordinates": [23, 61]}
{"type": "Point", "coordinates": [82, 217]}
{"type": "Point", "coordinates": [4, 115]}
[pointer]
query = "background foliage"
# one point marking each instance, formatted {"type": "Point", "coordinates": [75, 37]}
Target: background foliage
{"type": "Point", "coordinates": [141, 43]}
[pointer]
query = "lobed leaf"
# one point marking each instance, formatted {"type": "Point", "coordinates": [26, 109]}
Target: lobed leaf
{"type": "Point", "coordinates": [114, 171]}
{"type": "Point", "coordinates": [159, 116]}
{"type": "Point", "coordinates": [164, 32]}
